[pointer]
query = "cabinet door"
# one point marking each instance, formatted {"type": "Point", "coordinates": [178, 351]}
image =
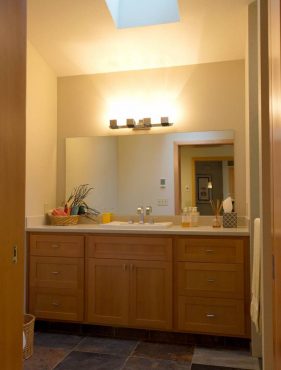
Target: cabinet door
{"type": "Point", "coordinates": [210, 249]}
{"type": "Point", "coordinates": [224, 280]}
{"type": "Point", "coordinates": [151, 294]}
{"type": "Point", "coordinates": [56, 288]}
{"type": "Point", "coordinates": [108, 291]}
{"type": "Point", "coordinates": [57, 272]}
{"type": "Point", "coordinates": [211, 316]}
{"type": "Point", "coordinates": [56, 245]}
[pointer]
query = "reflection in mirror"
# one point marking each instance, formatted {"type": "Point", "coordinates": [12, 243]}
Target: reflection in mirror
{"type": "Point", "coordinates": [129, 171]}
{"type": "Point", "coordinates": [206, 173]}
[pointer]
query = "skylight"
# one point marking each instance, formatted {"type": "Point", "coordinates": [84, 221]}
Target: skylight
{"type": "Point", "coordinates": [138, 13]}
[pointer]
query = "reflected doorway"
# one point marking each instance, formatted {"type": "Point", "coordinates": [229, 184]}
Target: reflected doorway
{"type": "Point", "coordinates": [214, 179]}
{"type": "Point", "coordinates": [203, 171]}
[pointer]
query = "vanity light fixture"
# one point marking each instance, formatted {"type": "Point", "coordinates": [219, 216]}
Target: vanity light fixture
{"type": "Point", "coordinates": [210, 185]}
{"type": "Point", "coordinates": [143, 124]}
{"type": "Point", "coordinates": [113, 123]}
{"type": "Point", "coordinates": [131, 123]}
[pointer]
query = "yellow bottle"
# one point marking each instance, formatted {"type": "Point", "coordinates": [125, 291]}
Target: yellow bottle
{"type": "Point", "coordinates": [185, 218]}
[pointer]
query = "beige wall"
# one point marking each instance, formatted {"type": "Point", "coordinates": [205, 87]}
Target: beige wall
{"type": "Point", "coordinates": [197, 98]}
{"type": "Point", "coordinates": [41, 134]}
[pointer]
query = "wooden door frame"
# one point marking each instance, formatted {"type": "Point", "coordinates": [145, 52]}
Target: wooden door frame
{"type": "Point", "coordinates": [270, 129]}
{"type": "Point", "coordinates": [177, 163]}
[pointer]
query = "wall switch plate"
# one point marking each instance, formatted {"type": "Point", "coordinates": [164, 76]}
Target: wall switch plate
{"type": "Point", "coordinates": [162, 202]}
{"type": "Point", "coordinates": [163, 183]}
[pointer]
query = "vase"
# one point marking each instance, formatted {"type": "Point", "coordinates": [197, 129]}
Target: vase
{"type": "Point", "coordinates": [216, 221]}
{"type": "Point", "coordinates": [74, 210]}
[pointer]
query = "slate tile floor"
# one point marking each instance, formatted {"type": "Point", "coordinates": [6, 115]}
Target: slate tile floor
{"type": "Point", "coordinates": [69, 352]}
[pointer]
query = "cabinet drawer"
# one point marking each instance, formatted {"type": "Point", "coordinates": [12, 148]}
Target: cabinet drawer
{"type": "Point", "coordinates": [57, 245]}
{"type": "Point", "coordinates": [210, 279]}
{"type": "Point", "coordinates": [222, 250]}
{"type": "Point", "coordinates": [53, 304]}
{"type": "Point", "coordinates": [57, 272]}
{"type": "Point", "coordinates": [211, 315]}
{"type": "Point", "coordinates": [129, 247]}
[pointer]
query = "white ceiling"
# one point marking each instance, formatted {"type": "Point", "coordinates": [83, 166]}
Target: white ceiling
{"type": "Point", "coordinates": [79, 36]}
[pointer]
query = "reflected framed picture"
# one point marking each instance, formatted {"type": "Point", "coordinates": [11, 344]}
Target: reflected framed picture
{"type": "Point", "coordinates": [203, 193]}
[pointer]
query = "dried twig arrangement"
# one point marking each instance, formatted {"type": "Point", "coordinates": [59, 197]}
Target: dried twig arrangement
{"type": "Point", "coordinates": [77, 200]}
{"type": "Point", "coordinates": [78, 195]}
{"type": "Point", "coordinates": [216, 207]}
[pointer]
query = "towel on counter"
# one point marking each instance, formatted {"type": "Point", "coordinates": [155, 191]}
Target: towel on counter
{"type": "Point", "coordinates": [256, 276]}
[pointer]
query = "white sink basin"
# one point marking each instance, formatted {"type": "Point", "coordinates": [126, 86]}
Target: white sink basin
{"type": "Point", "coordinates": [128, 226]}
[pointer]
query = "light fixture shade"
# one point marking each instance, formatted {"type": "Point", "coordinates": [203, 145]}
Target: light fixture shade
{"type": "Point", "coordinates": [130, 122]}
{"type": "Point", "coordinates": [165, 121]}
{"type": "Point", "coordinates": [113, 123]}
{"type": "Point", "coordinates": [210, 185]}
{"type": "Point", "coordinates": [147, 122]}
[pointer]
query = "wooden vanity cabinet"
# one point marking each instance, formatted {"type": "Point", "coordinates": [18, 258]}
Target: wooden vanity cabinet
{"type": "Point", "coordinates": [212, 285]}
{"type": "Point", "coordinates": [129, 281]}
{"type": "Point", "coordinates": [197, 284]}
{"type": "Point", "coordinates": [56, 276]}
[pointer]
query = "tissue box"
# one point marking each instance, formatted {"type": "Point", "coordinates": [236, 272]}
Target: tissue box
{"type": "Point", "coordinates": [229, 219]}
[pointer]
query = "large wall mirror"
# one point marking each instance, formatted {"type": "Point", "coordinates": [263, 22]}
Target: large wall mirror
{"type": "Point", "coordinates": [165, 171]}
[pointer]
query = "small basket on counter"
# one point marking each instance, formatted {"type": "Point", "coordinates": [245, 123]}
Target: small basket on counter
{"type": "Point", "coordinates": [73, 208]}
{"type": "Point", "coordinates": [63, 220]}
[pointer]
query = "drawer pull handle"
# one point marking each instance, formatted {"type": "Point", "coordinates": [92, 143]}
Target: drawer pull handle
{"type": "Point", "coordinates": [55, 272]}
{"type": "Point", "coordinates": [211, 280]}
{"type": "Point", "coordinates": [210, 315]}
{"type": "Point", "coordinates": [55, 304]}
{"type": "Point", "coordinates": [55, 246]}
{"type": "Point", "coordinates": [209, 251]}
{"type": "Point", "coordinates": [124, 267]}
{"type": "Point", "coordinates": [131, 267]}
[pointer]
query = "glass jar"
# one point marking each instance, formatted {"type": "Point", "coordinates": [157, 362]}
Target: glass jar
{"type": "Point", "coordinates": [185, 218]}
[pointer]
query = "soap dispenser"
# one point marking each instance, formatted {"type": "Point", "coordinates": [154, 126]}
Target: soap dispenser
{"type": "Point", "coordinates": [194, 217]}
{"type": "Point", "coordinates": [185, 218]}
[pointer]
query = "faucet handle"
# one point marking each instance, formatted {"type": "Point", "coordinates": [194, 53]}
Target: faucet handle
{"type": "Point", "coordinates": [140, 210]}
{"type": "Point", "coordinates": [148, 210]}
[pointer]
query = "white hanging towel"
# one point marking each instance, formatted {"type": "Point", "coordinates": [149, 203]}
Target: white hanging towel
{"type": "Point", "coordinates": [256, 276]}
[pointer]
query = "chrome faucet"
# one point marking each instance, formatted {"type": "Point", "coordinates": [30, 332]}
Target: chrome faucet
{"type": "Point", "coordinates": [140, 212]}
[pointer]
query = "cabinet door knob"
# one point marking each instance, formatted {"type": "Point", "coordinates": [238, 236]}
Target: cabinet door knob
{"type": "Point", "coordinates": [55, 246]}
{"type": "Point", "coordinates": [55, 272]}
{"type": "Point", "coordinates": [55, 304]}
{"type": "Point", "coordinates": [210, 315]}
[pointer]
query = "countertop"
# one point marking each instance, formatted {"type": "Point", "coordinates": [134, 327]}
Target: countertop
{"type": "Point", "coordinates": [172, 230]}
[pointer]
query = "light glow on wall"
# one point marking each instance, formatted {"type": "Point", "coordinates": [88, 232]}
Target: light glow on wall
{"type": "Point", "coordinates": [124, 107]}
